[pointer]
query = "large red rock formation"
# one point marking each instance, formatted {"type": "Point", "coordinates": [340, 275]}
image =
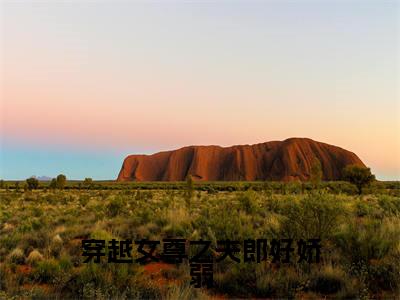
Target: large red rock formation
{"type": "Point", "coordinates": [278, 160]}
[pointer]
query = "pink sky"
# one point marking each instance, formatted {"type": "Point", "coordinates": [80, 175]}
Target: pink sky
{"type": "Point", "coordinates": [128, 77]}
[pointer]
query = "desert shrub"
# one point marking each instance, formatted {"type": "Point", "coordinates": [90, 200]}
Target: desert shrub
{"type": "Point", "coordinates": [271, 203]}
{"type": "Point", "coordinates": [59, 197]}
{"type": "Point", "coordinates": [10, 241]}
{"type": "Point", "coordinates": [88, 182]}
{"type": "Point", "coordinates": [368, 208]}
{"type": "Point", "coordinates": [362, 209]}
{"type": "Point", "coordinates": [316, 172]}
{"type": "Point", "coordinates": [109, 282]}
{"type": "Point", "coordinates": [390, 205]}
{"type": "Point", "coordinates": [8, 227]}
{"type": "Point", "coordinates": [30, 197]}
{"type": "Point", "coordinates": [225, 224]}
{"type": "Point", "coordinates": [328, 281]}
{"type": "Point", "coordinates": [189, 188]}
{"type": "Point", "coordinates": [178, 273]}
{"type": "Point", "coordinates": [236, 279]}
{"type": "Point", "coordinates": [17, 256]}
{"type": "Point", "coordinates": [37, 211]}
{"type": "Point", "coordinates": [147, 289]}
{"type": "Point", "coordinates": [120, 274]}
{"type": "Point", "coordinates": [314, 216]}
{"type": "Point", "coordinates": [128, 192]}
{"type": "Point", "coordinates": [46, 271]}
{"type": "Point", "coordinates": [182, 291]}
{"type": "Point", "coordinates": [174, 230]}
{"type": "Point", "coordinates": [271, 226]}
{"type": "Point", "coordinates": [211, 190]}
{"type": "Point", "coordinates": [34, 257]}
{"type": "Point", "coordinates": [361, 243]}
{"type": "Point", "coordinates": [145, 215]}
{"type": "Point", "coordinates": [53, 184]}
{"type": "Point", "coordinates": [278, 283]}
{"type": "Point", "coordinates": [383, 275]}
{"type": "Point", "coordinates": [175, 221]}
{"type": "Point", "coordinates": [6, 199]}
{"type": "Point", "coordinates": [32, 183]}
{"type": "Point", "coordinates": [115, 207]}
{"type": "Point", "coordinates": [50, 198]}
{"type": "Point", "coordinates": [294, 187]}
{"type": "Point", "coordinates": [65, 263]}
{"type": "Point", "coordinates": [148, 195]}
{"type": "Point", "coordinates": [56, 245]}
{"type": "Point", "coordinates": [340, 187]}
{"type": "Point", "coordinates": [138, 195]}
{"type": "Point", "coordinates": [36, 239]}
{"type": "Point", "coordinates": [247, 201]}
{"type": "Point", "coordinates": [37, 293]}
{"type": "Point", "coordinates": [266, 286]}
{"type": "Point", "coordinates": [84, 199]}
{"type": "Point", "coordinates": [102, 235]}
{"type": "Point", "coordinates": [61, 181]}
{"type": "Point", "coordinates": [32, 224]}
{"type": "Point", "coordinates": [89, 291]}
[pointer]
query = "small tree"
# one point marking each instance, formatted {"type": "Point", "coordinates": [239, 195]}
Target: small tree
{"type": "Point", "coordinates": [61, 181]}
{"type": "Point", "coordinates": [17, 186]}
{"type": "Point", "coordinates": [316, 172]}
{"type": "Point", "coordinates": [189, 189]}
{"type": "Point", "coordinates": [53, 184]}
{"type": "Point", "coordinates": [359, 176]}
{"type": "Point", "coordinates": [88, 182]}
{"type": "Point", "coordinates": [32, 183]}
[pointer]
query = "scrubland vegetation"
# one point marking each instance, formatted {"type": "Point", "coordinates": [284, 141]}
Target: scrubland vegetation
{"type": "Point", "coordinates": [41, 232]}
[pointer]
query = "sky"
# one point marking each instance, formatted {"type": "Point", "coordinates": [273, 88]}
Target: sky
{"type": "Point", "coordinates": [85, 83]}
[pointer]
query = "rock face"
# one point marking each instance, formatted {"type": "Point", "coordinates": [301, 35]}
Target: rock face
{"type": "Point", "coordinates": [278, 160]}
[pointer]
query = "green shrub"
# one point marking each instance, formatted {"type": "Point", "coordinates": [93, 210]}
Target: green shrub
{"type": "Point", "coordinates": [17, 256]}
{"type": "Point", "coordinates": [61, 181]}
{"type": "Point", "coordinates": [236, 279]}
{"type": "Point", "coordinates": [384, 275]}
{"type": "Point", "coordinates": [46, 271]}
{"type": "Point", "coordinates": [182, 291]}
{"type": "Point", "coordinates": [34, 258]}
{"type": "Point", "coordinates": [361, 243]}
{"type": "Point", "coordinates": [35, 239]}
{"type": "Point", "coordinates": [115, 207]}
{"type": "Point", "coordinates": [84, 199]}
{"type": "Point", "coordinates": [390, 205]}
{"type": "Point", "coordinates": [362, 209]}
{"type": "Point", "coordinates": [314, 216]}
{"type": "Point", "coordinates": [56, 245]}
{"type": "Point", "coordinates": [32, 183]}
{"type": "Point", "coordinates": [247, 201]}
{"type": "Point", "coordinates": [266, 286]}
{"type": "Point", "coordinates": [359, 176]}
{"type": "Point", "coordinates": [328, 281]}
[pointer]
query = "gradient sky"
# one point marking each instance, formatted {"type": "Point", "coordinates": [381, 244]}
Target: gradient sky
{"type": "Point", "coordinates": [84, 83]}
